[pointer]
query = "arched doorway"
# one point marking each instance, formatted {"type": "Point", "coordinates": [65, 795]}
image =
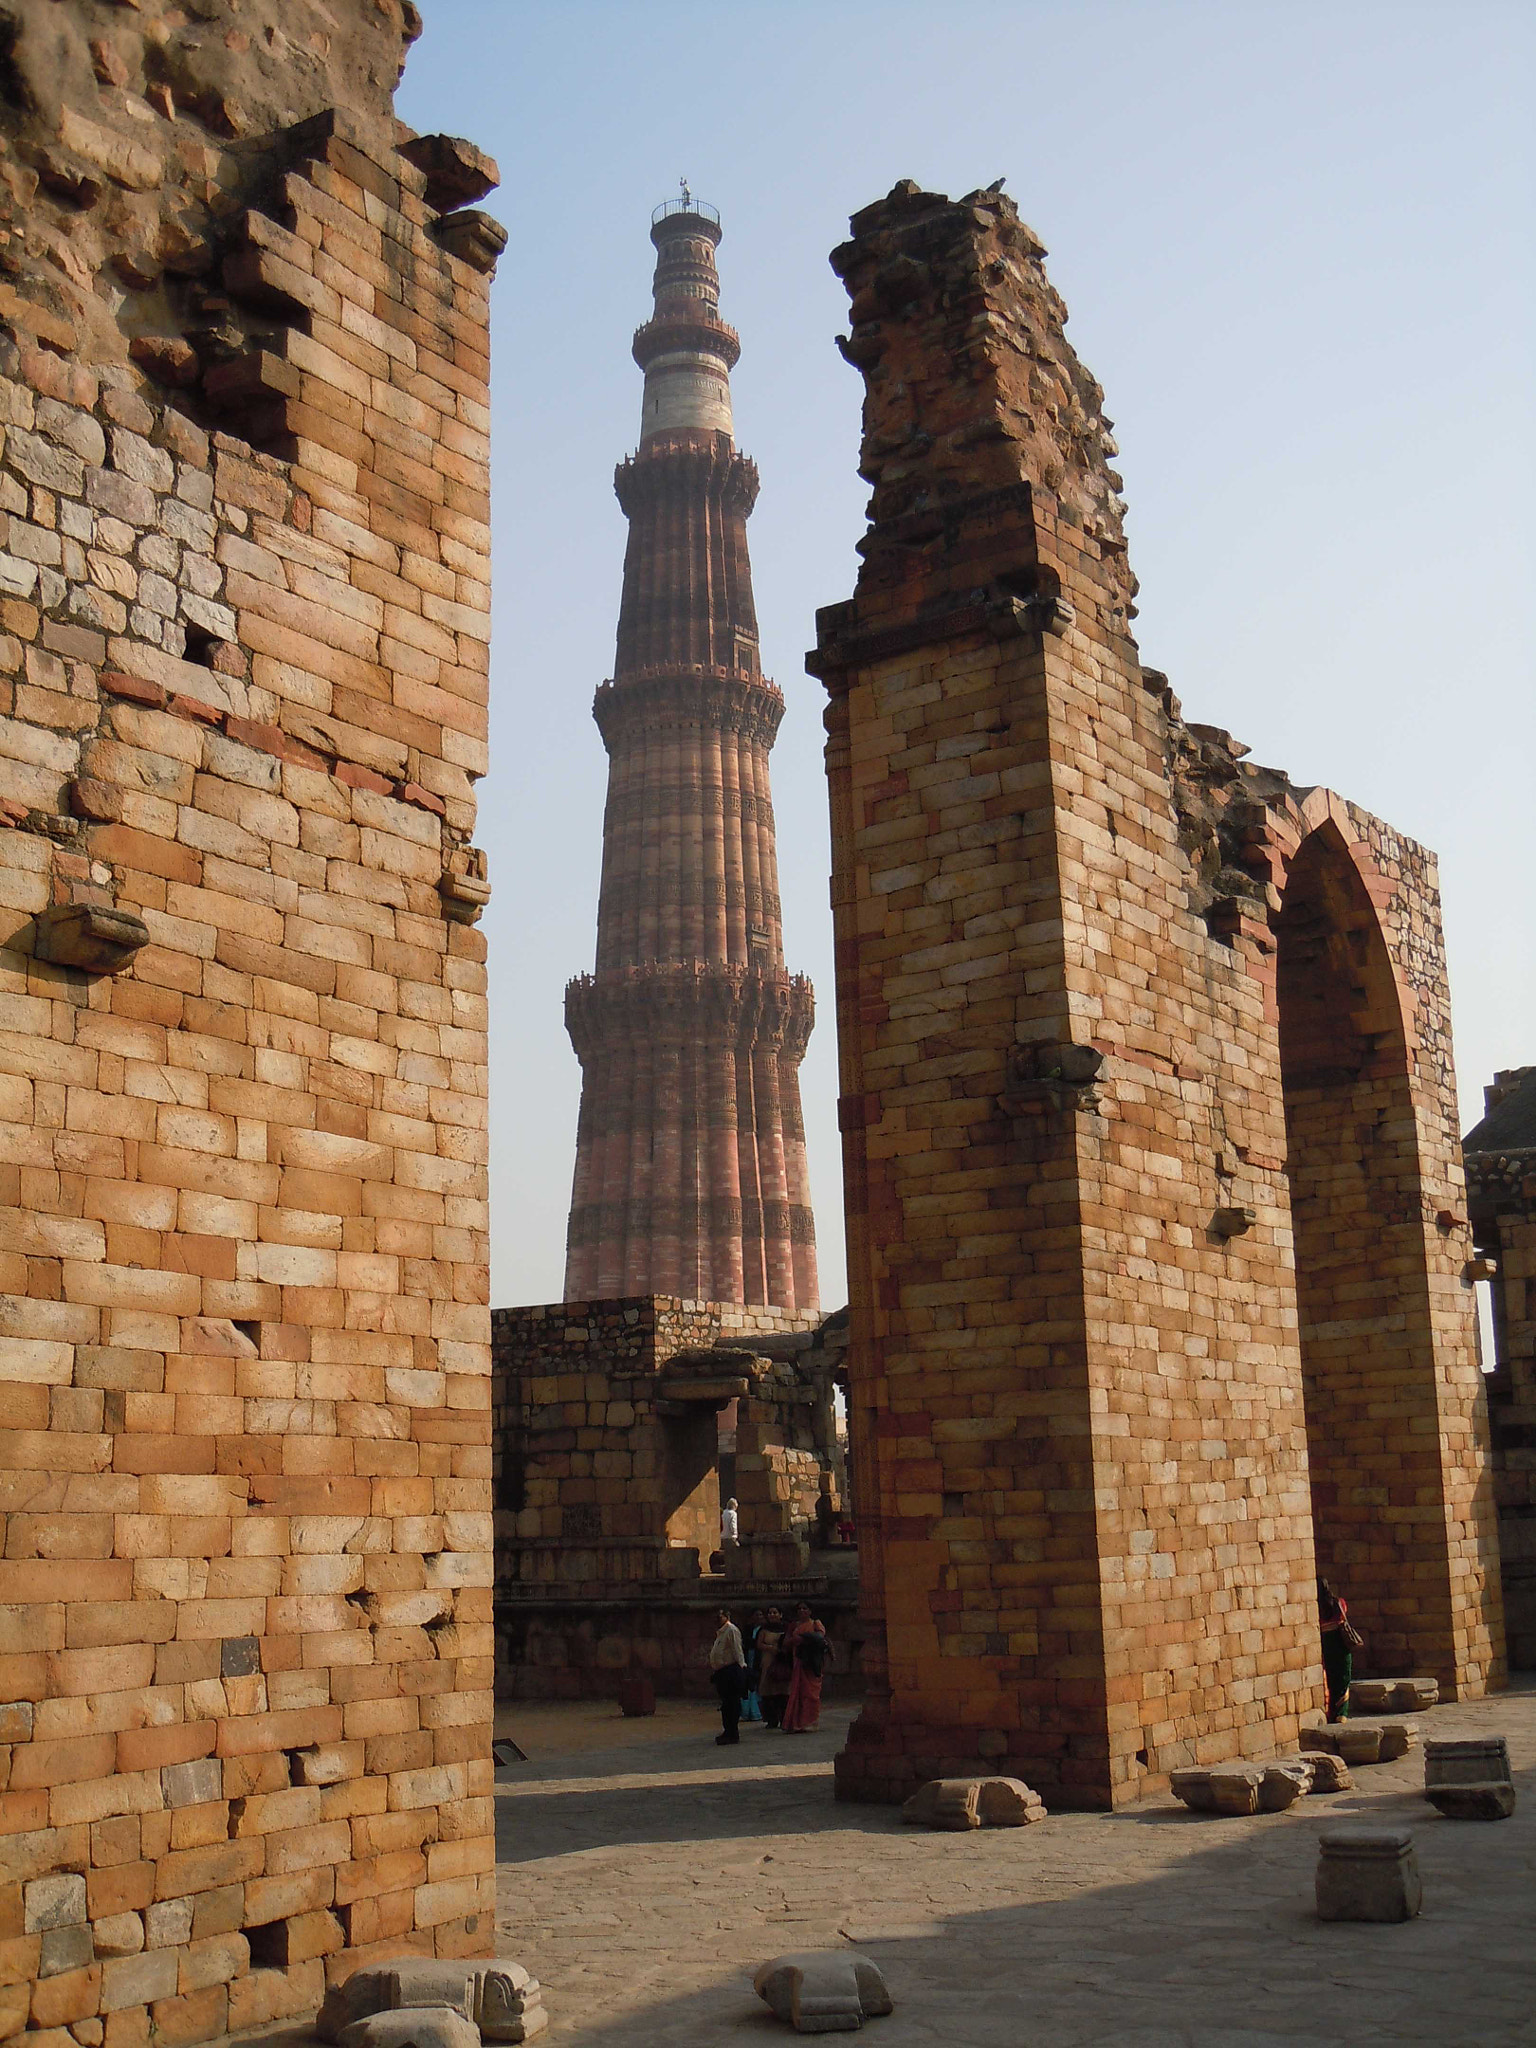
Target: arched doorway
{"type": "Point", "coordinates": [1368, 1352]}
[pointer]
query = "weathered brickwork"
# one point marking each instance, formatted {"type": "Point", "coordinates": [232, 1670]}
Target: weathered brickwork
{"type": "Point", "coordinates": [245, 1592]}
{"type": "Point", "coordinates": [1501, 1195]}
{"type": "Point", "coordinates": [690, 1149]}
{"type": "Point", "coordinates": [607, 1426]}
{"type": "Point", "coordinates": [1150, 1157]}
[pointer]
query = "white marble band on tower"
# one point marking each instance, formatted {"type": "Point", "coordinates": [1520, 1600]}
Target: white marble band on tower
{"type": "Point", "coordinates": [686, 390]}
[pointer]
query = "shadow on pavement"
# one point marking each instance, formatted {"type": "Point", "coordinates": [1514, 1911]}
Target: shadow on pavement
{"type": "Point", "coordinates": [1220, 1949]}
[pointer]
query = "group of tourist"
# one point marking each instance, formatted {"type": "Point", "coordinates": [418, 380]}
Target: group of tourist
{"type": "Point", "coordinates": [774, 1676]}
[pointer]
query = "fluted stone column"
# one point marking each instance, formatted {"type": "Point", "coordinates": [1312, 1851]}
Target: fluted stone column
{"type": "Point", "coordinates": [690, 1151]}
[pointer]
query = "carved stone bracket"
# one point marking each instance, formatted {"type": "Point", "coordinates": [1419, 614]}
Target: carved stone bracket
{"type": "Point", "coordinates": [1233, 1222]}
{"type": "Point", "coordinates": [1062, 1076]}
{"type": "Point", "coordinates": [465, 894]}
{"type": "Point", "coordinates": [95, 938]}
{"type": "Point", "coordinates": [473, 237]}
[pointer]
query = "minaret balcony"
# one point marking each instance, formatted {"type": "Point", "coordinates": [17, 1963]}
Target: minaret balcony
{"type": "Point", "coordinates": [681, 333]}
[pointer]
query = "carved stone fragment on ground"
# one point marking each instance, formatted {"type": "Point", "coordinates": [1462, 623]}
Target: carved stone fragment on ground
{"type": "Point", "coordinates": [499, 1999]}
{"type": "Point", "coordinates": [416, 2026]}
{"type": "Point", "coordinates": [823, 1991]}
{"type": "Point", "coordinates": [1330, 1773]}
{"type": "Point", "coordinates": [1367, 1874]}
{"type": "Point", "coordinates": [1470, 1780]}
{"type": "Point", "coordinates": [954, 1804]}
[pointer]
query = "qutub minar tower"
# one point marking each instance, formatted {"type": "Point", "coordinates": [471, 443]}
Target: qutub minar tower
{"type": "Point", "coordinates": [690, 1151]}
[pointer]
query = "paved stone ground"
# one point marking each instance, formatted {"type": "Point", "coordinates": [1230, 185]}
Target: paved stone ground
{"type": "Point", "coordinates": [643, 1878]}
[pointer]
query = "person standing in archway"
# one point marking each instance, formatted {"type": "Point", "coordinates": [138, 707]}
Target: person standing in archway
{"type": "Point", "coordinates": [1341, 1639]}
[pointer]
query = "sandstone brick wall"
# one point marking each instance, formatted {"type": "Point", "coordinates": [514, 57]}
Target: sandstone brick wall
{"type": "Point", "coordinates": [1501, 1177]}
{"type": "Point", "coordinates": [1079, 1396]}
{"type": "Point", "coordinates": [245, 1591]}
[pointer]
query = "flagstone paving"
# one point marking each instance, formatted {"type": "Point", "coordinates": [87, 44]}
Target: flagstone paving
{"type": "Point", "coordinates": [644, 1873]}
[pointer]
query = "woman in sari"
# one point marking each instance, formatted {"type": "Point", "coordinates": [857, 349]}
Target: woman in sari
{"type": "Point", "coordinates": [775, 1668]}
{"type": "Point", "coordinates": [1339, 1639]}
{"type": "Point", "coordinates": [807, 1644]}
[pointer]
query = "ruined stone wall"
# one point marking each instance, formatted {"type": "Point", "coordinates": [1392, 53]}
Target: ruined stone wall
{"type": "Point", "coordinates": [1501, 1189]}
{"type": "Point", "coordinates": [245, 1594]}
{"type": "Point", "coordinates": [1078, 1402]}
{"type": "Point", "coordinates": [607, 1451]}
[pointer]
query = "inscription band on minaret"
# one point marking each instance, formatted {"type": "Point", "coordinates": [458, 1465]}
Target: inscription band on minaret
{"type": "Point", "coordinates": [690, 1152]}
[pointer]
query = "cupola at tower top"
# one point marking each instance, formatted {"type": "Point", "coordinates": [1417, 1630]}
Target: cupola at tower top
{"type": "Point", "coordinates": [685, 349]}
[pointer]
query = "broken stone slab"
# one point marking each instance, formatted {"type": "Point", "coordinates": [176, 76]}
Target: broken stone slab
{"type": "Point", "coordinates": [1372, 1695]}
{"type": "Point", "coordinates": [1490, 1801]}
{"type": "Point", "coordinates": [822, 1992]}
{"type": "Point", "coordinates": [954, 1804]}
{"type": "Point", "coordinates": [1192, 1785]}
{"type": "Point", "coordinates": [416, 2026]}
{"type": "Point", "coordinates": [1393, 1695]}
{"type": "Point", "coordinates": [1360, 1745]}
{"type": "Point", "coordinates": [500, 1998]}
{"type": "Point", "coordinates": [1330, 1773]}
{"type": "Point", "coordinates": [1367, 1874]}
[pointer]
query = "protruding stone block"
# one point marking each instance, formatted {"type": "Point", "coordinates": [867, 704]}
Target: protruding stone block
{"type": "Point", "coordinates": [97, 938]}
{"type": "Point", "coordinates": [473, 237]}
{"type": "Point", "coordinates": [457, 173]}
{"type": "Point", "coordinates": [1367, 1874]}
{"type": "Point", "coordinates": [823, 1992]}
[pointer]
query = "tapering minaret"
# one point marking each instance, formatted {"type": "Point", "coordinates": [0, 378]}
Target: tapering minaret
{"type": "Point", "coordinates": [690, 1151]}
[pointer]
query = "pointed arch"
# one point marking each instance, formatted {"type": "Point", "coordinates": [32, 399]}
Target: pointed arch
{"type": "Point", "coordinates": [1368, 1352]}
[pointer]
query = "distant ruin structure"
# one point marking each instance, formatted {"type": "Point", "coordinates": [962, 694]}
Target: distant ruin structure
{"type": "Point", "coordinates": [1500, 1154]}
{"type": "Point", "coordinates": [620, 1429]}
{"type": "Point", "coordinates": [245, 1595]}
{"type": "Point", "coordinates": [690, 1151]}
{"type": "Point", "coordinates": [1159, 1254]}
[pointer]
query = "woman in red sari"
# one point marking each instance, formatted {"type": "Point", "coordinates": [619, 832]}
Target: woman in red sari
{"type": "Point", "coordinates": [806, 1642]}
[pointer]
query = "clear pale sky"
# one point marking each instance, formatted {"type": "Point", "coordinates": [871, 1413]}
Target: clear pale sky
{"type": "Point", "coordinates": [1297, 244]}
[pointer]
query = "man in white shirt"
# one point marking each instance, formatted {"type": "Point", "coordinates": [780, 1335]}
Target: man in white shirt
{"type": "Point", "coordinates": [730, 1523]}
{"type": "Point", "coordinates": [728, 1675]}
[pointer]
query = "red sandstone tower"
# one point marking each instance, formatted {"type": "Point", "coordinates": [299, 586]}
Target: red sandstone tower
{"type": "Point", "coordinates": [690, 1151]}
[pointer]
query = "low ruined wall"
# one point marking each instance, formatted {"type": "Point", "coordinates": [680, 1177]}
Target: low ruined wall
{"type": "Point", "coordinates": [574, 1650]}
{"type": "Point", "coordinates": [245, 1596]}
